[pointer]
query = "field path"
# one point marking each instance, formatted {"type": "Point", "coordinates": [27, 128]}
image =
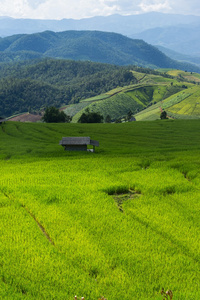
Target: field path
{"type": "Point", "coordinates": [40, 226]}
{"type": "Point", "coordinates": [34, 218]}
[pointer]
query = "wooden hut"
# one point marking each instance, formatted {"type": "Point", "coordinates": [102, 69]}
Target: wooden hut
{"type": "Point", "coordinates": [78, 143]}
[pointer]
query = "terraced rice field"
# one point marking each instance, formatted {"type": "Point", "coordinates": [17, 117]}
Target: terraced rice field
{"type": "Point", "coordinates": [122, 222]}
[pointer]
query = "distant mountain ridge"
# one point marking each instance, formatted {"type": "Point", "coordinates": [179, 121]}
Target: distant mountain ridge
{"type": "Point", "coordinates": [126, 25]}
{"type": "Point", "coordinates": [177, 32]}
{"type": "Point", "coordinates": [179, 56]}
{"type": "Point", "coordinates": [179, 38]}
{"type": "Point", "coordinates": [96, 46]}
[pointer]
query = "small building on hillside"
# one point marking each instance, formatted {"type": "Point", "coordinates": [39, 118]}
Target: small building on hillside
{"type": "Point", "coordinates": [78, 143]}
{"type": "Point", "coordinates": [2, 120]}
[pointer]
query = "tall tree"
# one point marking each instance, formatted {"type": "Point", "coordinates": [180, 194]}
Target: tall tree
{"type": "Point", "coordinates": [53, 115]}
{"type": "Point", "coordinates": [90, 117]}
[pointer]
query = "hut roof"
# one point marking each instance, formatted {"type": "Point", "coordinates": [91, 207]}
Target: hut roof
{"type": "Point", "coordinates": [78, 141]}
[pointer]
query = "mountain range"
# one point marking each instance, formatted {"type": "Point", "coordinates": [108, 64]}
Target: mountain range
{"type": "Point", "coordinates": [96, 46]}
{"type": "Point", "coordinates": [126, 25]}
{"type": "Point", "coordinates": [179, 33]}
{"type": "Point", "coordinates": [180, 56]}
{"type": "Point", "coordinates": [180, 38]}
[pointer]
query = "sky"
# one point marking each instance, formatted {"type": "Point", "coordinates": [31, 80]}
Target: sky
{"type": "Point", "coordinates": [78, 9]}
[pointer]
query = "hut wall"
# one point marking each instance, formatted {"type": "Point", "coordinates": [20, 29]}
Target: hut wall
{"type": "Point", "coordinates": [76, 147]}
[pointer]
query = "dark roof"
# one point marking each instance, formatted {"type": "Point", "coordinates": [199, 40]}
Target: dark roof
{"type": "Point", "coordinates": [78, 141]}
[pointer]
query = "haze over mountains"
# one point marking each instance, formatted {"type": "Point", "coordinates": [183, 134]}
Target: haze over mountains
{"type": "Point", "coordinates": [127, 25]}
{"type": "Point", "coordinates": [179, 33]}
{"type": "Point", "coordinates": [54, 51]}
{"type": "Point", "coordinates": [180, 38]}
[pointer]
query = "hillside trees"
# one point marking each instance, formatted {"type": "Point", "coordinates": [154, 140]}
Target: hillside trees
{"type": "Point", "coordinates": [38, 84]}
{"type": "Point", "coordinates": [90, 117]}
{"type": "Point", "coordinates": [53, 115]}
{"type": "Point", "coordinates": [163, 115]}
{"type": "Point", "coordinates": [22, 95]}
{"type": "Point", "coordinates": [97, 46]}
{"type": "Point", "coordinates": [108, 119]}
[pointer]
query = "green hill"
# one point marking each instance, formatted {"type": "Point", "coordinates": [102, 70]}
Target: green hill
{"type": "Point", "coordinates": [145, 99]}
{"type": "Point", "coordinates": [181, 105]}
{"type": "Point", "coordinates": [122, 222]}
{"type": "Point", "coordinates": [97, 46]}
{"type": "Point", "coordinates": [31, 86]}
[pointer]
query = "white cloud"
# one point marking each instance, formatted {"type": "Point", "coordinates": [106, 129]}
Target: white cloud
{"type": "Point", "coordinates": [155, 5]}
{"type": "Point", "coordinates": [51, 9]}
{"type": "Point", "coordinates": [35, 3]}
{"type": "Point", "coordinates": [71, 9]}
{"type": "Point", "coordinates": [7, 7]}
{"type": "Point", "coordinates": [20, 8]}
{"type": "Point", "coordinates": [77, 9]}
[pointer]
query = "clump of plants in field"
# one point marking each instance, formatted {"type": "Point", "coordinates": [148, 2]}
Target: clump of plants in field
{"type": "Point", "coordinates": [167, 295]}
{"type": "Point", "coordinates": [120, 198]}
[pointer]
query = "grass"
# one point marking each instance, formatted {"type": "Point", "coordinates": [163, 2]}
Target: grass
{"type": "Point", "coordinates": [122, 222]}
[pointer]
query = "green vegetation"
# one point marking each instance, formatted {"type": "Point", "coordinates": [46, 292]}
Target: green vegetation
{"type": "Point", "coordinates": [182, 105]}
{"type": "Point", "coordinates": [145, 99]}
{"type": "Point", "coordinates": [116, 106]}
{"type": "Point", "coordinates": [90, 117]}
{"type": "Point", "coordinates": [53, 115]}
{"type": "Point", "coordinates": [163, 115]}
{"type": "Point", "coordinates": [187, 76]}
{"type": "Point", "coordinates": [122, 222]}
{"type": "Point", "coordinates": [32, 86]}
{"type": "Point", "coordinates": [105, 89]}
{"type": "Point", "coordinates": [96, 46]}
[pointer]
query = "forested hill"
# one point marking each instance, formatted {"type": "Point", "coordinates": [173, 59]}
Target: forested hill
{"type": "Point", "coordinates": [32, 86]}
{"type": "Point", "coordinates": [94, 46]}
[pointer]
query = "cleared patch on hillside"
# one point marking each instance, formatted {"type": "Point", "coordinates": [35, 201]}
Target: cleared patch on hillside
{"type": "Point", "coordinates": [26, 118]}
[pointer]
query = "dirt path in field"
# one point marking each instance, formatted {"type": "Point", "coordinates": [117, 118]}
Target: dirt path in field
{"type": "Point", "coordinates": [34, 218]}
{"type": "Point", "coordinates": [40, 226]}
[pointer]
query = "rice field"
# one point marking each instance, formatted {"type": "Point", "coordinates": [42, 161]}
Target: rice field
{"type": "Point", "coordinates": [190, 105]}
{"type": "Point", "coordinates": [120, 223]}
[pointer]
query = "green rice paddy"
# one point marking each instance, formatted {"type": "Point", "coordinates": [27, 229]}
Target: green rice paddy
{"type": "Point", "coordinates": [122, 222]}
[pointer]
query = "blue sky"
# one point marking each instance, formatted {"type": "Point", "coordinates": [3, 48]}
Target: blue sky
{"type": "Point", "coordinates": [77, 9]}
